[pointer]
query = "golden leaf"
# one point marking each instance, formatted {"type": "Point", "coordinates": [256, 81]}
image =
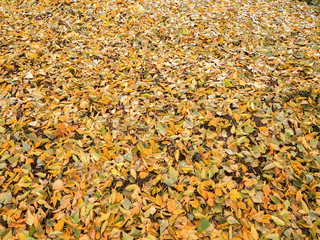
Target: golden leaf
{"type": "Point", "coordinates": [171, 205]}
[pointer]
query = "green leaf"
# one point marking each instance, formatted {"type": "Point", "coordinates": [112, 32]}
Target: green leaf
{"type": "Point", "coordinates": [13, 159]}
{"type": "Point", "coordinates": [26, 147]}
{"type": "Point", "coordinates": [313, 215]}
{"type": "Point", "coordinates": [76, 233]}
{"type": "Point", "coordinates": [173, 174]}
{"type": "Point", "coordinates": [163, 225]}
{"type": "Point", "coordinates": [29, 238]}
{"type": "Point", "coordinates": [227, 83]}
{"type": "Point", "coordinates": [278, 221]}
{"type": "Point", "coordinates": [274, 199]}
{"type": "Point", "coordinates": [314, 143]}
{"type": "Point", "coordinates": [161, 129]}
{"type": "Point", "coordinates": [169, 182]}
{"type": "Point", "coordinates": [249, 129]}
{"type": "Point", "coordinates": [217, 208]}
{"type": "Point", "coordinates": [203, 224]}
{"type": "Point", "coordinates": [273, 236]}
{"type": "Point", "coordinates": [128, 156]}
{"type": "Point", "coordinates": [232, 220]}
{"type": "Point", "coordinates": [103, 131]}
{"type": "Point", "coordinates": [126, 203]}
{"type": "Point", "coordinates": [242, 139]}
{"type": "Point", "coordinates": [6, 197]}
{"type": "Point", "coordinates": [120, 219]}
{"type": "Point", "coordinates": [309, 178]}
{"type": "Point", "coordinates": [126, 236]}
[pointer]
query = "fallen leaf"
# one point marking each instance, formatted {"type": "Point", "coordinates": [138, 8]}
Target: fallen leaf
{"type": "Point", "coordinates": [203, 224]}
{"type": "Point", "coordinates": [171, 205]}
{"type": "Point", "coordinates": [58, 185]}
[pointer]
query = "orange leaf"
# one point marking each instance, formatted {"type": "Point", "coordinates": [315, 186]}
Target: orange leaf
{"type": "Point", "coordinates": [195, 203]}
{"type": "Point", "coordinates": [299, 196]}
{"type": "Point", "coordinates": [59, 225]}
{"type": "Point", "coordinates": [179, 188]}
{"type": "Point", "coordinates": [210, 202]}
{"type": "Point", "coordinates": [218, 192]}
{"type": "Point", "coordinates": [63, 130]}
{"type": "Point", "coordinates": [143, 175]}
{"type": "Point", "coordinates": [119, 197]}
{"type": "Point", "coordinates": [237, 117]}
{"type": "Point", "coordinates": [171, 205]}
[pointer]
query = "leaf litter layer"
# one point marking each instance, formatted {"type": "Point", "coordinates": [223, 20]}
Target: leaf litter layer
{"type": "Point", "coordinates": [159, 120]}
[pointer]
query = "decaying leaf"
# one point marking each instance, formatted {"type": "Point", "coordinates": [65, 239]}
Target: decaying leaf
{"type": "Point", "coordinates": [159, 119]}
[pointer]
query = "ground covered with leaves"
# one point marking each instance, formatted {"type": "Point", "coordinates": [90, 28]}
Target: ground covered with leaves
{"type": "Point", "coordinates": [159, 119]}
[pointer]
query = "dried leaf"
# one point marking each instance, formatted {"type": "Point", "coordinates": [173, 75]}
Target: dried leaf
{"type": "Point", "coordinates": [58, 185]}
{"type": "Point", "coordinates": [6, 197]}
{"type": "Point", "coordinates": [171, 205]}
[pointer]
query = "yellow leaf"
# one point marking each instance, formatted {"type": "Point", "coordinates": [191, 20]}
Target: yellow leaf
{"type": "Point", "coordinates": [210, 135]}
{"type": "Point", "coordinates": [177, 155]}
{"type": "Point", "coordinates": [34, 56]}
{"type": "Point", "coordinates": [274, 146]}
{"type": "Point", "coordinates": [106, 24]}
{"type": "Point", "coordinates": [29, 218]}
{"type": "Point", "coordinates": [83, 104]}
{"type": "Point", "coordinates": [234, 195]}
{"type": "Point", "coordinates": [22, 236]}
{"type": "Point", "coordinates": [178, 211]}
{"type": "Point", "coordinates": [254, 233]}
{"type": "Point", "coordinates": [263, 129]}
{"type": "Point", "coordinates": [104, 226]}
{"type": "Point", "coordinates": [104, 216]}
{"type": "Point", "coordinates": [59, 225]}
{"type": "Point", "coordinates": [304, 206]}
{"type": "Point", "coordinates": [277, 221]}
